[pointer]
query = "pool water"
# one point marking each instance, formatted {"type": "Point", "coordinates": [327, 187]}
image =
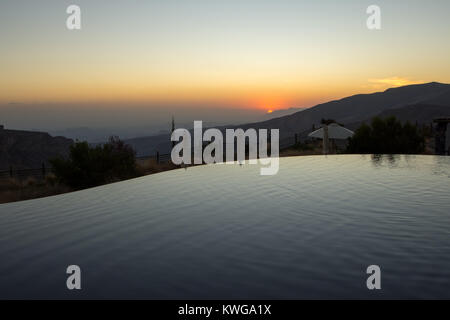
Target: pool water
{"type": "Point", "coordinates": [226, 232]}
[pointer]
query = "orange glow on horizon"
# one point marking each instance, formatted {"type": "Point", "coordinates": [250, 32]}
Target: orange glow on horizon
{"type": "Point", "coordinates": [191, 55]}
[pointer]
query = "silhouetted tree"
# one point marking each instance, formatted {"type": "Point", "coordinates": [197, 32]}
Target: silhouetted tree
{"type": "Point", "coordinates": [387, 136]}
{"type": "Point", "coordinates": [89, 166]}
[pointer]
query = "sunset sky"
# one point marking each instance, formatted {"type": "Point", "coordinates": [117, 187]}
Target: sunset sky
{"type": "Point", "coordinates": [242, 54]}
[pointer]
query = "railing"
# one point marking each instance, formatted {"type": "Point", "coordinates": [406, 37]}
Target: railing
{"type": "Point", "coordinates": [25, 173]}
{"type": "Point", "coordinates": [43, 171]}
{"type": "Point", "coordinates": [159, 158]}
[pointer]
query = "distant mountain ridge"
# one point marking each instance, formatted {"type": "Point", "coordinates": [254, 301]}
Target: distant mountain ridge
{"type": "Point", "coordinates": [420, 113]}
{"type": "Point", "coordinates": [29, 149]}
{"type": "Point", "coordinates": [417, 113]}
{"type": "Point", "coordinates": [281, 113]}
{"type": "Point", "coordinates": [350, 110]}
{"type": "Point", "coordinates": [359, 107]}
{"type": "Point", "coordinates": [415, 103]}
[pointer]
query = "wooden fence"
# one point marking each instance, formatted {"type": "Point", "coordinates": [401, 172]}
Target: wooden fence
{"type": "Point", "coordinates": [43, 171]}
{"type": "Point", "coordinates": [39, 173]}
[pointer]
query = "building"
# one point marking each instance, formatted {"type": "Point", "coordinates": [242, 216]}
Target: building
{"type": "Point", "coordinates": [334, 137]}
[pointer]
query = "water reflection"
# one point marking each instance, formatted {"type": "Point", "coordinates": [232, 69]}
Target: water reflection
{"type": "Point", "coordinates": [440, 166]}
{"type": "Point", "coordinates": [391, 160]}
{"type": "Point", "coordinates": [225, 232]}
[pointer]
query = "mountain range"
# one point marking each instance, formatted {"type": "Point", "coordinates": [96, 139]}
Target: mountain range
{"type": "Point", "coordinates": [29, 149]}
{"type": "Point", "coordinates": [415, 103]}
{"type": "Point", "coordinates": [420, 102]}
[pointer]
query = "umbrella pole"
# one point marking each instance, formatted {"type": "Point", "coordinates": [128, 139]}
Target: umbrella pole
{"type": "Point", "coordinates": [326, 141]}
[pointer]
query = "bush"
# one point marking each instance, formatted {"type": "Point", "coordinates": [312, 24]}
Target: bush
{"type": "Point", "coordinates": [92, 166]}
{"type": "Point", "coordinates": [387, 136]}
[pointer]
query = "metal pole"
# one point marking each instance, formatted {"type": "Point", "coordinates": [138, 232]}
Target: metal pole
{"type": "Point", "coordinates": [326, 141]}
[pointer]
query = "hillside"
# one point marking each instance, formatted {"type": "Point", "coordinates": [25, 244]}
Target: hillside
{"type": "Point", "coordinates": [420, 113]}
{"type": "Point", "coordinates": [426, 98]}
{"type": "Point", "coordinates": [29, 149]}
{"type": "Point", "coordinates": [359, 107]}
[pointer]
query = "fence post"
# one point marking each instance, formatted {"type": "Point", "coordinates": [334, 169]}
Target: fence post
{"type": "Point", "coordinates": [157, 157]}
{"type": "Point", "coordinates": [10, 172]}
{"type": "Point", "coordinates": [43, 170]}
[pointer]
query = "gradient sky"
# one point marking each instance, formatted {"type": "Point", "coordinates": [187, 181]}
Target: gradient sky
{"type": "Point", "coordinates": [239, 54]}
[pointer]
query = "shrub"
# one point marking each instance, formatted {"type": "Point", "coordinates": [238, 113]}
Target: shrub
{"type": "Point", "coordinates": [387, 136]}
{"type": "Point", "coordinates": [89, 166]}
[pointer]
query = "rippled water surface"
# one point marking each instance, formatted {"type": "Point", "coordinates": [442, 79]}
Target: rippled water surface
{"type": "Point", "coordinates": [224, 231]}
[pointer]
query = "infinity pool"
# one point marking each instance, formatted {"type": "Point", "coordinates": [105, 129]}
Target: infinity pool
{"type": "Point", "coordinates": [224, 231]}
